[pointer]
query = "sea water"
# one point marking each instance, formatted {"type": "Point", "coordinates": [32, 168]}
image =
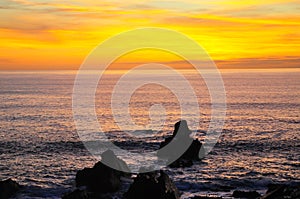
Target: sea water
{"type": "Point", "coordinates": [259, 144]}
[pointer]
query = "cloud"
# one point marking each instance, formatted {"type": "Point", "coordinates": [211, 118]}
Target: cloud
{"type": "Point", "coordinates": [6, 60]}
{"type": "Point", "coordinates": [279, 62]}
{"type": "Point", "coordinates": [51, 6]}
{"type": "Point", "coordinates": [243, 63]}
{"type": "Point", "coordinates": [5, 7]}
{"type": "Point", "coordinates": [229, 30]}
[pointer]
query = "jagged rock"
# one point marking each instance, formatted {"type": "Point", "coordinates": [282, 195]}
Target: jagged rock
{"type": "Point", "coordinates": [183, 133]}
{"type": "Point", "coordinates": [101, 178]}
{"type": "Point", "coordinates": [246, 194]}
{"type": "Point", "coordinates": [282, 191]}
{"type": "Point", "coordinates": [109, 158]}
{"type": "Point", "coordinates": [170, 191]}
{"type": "Point", "coordinates": [181, 163]}
{"type": "Point", "coordinates": [8, 188]}
{"type": "Point", "coordinates": [151, 185]}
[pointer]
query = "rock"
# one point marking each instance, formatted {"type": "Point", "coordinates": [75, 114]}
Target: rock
{"type": "Point", "coordinates": [84, 177]}
{"type": "Point", "coordinates": [192, 152]}
{"type": "Point", "coordinates": [181, 163]}
{"type": "Point", "coordinates": [108, 157]}
{"type": "Point", "coordinates": [183, 134]}
{"type": "Point", "coordinates": [246, 194]}
{"type": "Point", "coordinates": [282, 191]}
{"type": "Point", "coordinates": [170, 191]}
{"type": "Point", "coordinates": [144, 186]}
{"type": "Point", "coordinates": [151, 185]}
{"type": "Point", "coordinates": [102, 178]}
{"type": "Point", "coordinates": [77, 194]}
{"type": "Point", "coordinates": [8, 188]}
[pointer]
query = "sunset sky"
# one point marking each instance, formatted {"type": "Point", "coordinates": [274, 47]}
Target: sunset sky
{"type": "Point", "coordinates": [59, 34]}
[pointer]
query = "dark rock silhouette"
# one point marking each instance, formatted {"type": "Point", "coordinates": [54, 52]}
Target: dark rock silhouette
{"type": "Point", "coordinates": [282, 191]}
{"type": "Point", "coordinates": [8, 188]}
{"type": "Point", "coordinates": [102, 178]}
{"type": "Point", "coordinates": [152, 185]}
{"type": "Point", "coordinates": [109, 158]}
{"type": "Point", "coordinates": [246, 194]}
{"type": "Point", "coordinates": [181, 163]}
{"type": "Point", "coordinates": [183, 134]}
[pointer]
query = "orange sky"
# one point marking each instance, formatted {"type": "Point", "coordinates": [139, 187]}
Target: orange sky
{"type": "Point", "coordinates": [58, 34]}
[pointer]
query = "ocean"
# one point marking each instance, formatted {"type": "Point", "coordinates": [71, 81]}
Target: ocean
{"type": "Point", "coordinates": [259, 144]}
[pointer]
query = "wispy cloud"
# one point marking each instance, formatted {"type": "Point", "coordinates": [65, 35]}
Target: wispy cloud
{"type": "Point", "coordinates": [229, 30]}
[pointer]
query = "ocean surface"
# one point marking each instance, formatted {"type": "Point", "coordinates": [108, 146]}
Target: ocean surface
{"type": "Point", "coordinates": [259, 144]}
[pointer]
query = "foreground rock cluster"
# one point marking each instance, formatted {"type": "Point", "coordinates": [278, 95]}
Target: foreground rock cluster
{"type": "Point", "coordinates": [157, 185]}
{"type": "Point", "coordinates": [95, 182]}
{"type": "Point", "coordinates": [182, 136]}
{"type": "Point", "coordinates": [152, 185]}
{"type": "Point", "coordinates": [101, 178]}
{"type": "Point", "coordinates": [102, 181]}
{"type": "Point", "coordinates": [8, 188]}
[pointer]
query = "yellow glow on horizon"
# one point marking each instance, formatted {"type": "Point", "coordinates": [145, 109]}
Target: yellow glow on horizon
{"type": "Point", "coordinates": [59, 35]}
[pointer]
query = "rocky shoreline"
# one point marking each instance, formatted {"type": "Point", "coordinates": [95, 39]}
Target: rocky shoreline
{"type": "Point", "coordinates": [146, 186]}
{"type": "Point", "coordinates": [104, 182]}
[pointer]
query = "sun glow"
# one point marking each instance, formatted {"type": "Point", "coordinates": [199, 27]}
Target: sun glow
{"type": "Point", "coordinates": [236, 34]}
